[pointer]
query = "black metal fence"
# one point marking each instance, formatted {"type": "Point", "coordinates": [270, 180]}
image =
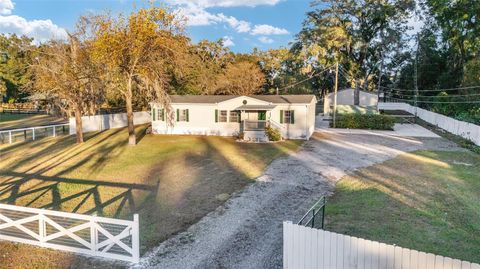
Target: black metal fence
{"type": "Point", "coordinates": [315, 217]}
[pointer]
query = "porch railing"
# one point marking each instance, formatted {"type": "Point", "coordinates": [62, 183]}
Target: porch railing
{"type": "Point", "coordinates": [252, 125]}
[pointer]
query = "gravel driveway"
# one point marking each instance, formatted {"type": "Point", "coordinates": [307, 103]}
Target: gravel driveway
{"type": "Point", "coordinates": [247, 231]}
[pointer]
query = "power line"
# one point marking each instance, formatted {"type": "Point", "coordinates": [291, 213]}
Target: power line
{"type": "Point", "coordinates": [435, 90]}
{"type": "Point", "coordinates": [436, 102]}
{"type": "Point", "coordinates": [438, 96]}
{"type": "Point", "coordinates": [307, 79]}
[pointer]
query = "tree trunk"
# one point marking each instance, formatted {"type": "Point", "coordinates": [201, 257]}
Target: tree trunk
{"type": "Point", "coordinates": [78, 123]}
{"type": "Point", "coordinates": [132, 139]}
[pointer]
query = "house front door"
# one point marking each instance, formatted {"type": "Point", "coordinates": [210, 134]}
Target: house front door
{"type": "Point", "coordinates": [262, 115]}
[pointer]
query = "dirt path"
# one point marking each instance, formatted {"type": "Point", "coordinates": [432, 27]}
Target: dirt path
{"type": "Point", "coordinates": [247, 231]}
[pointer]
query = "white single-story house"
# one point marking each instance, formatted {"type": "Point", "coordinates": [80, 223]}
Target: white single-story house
{"type": "Point", "coordinates": [347, 97]}
{"type": "Point", "coordinates": [233, 115]}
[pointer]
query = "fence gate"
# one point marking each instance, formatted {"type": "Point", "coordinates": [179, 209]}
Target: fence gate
{"type": "Point", "coordinates": [96, 236]}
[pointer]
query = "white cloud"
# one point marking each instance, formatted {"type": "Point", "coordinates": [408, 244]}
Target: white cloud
{"type": "Point", "coordinates": [264, 29]}
{"type": "Point", "coordinates": [228, 41]}
{"type": "Point", "coordinates": [39, 30]}
{"type": "Point", "coordinates": [224, 3]}
{"type": "Point", "coordinates": [6, 7]}
{"type": "Point", "coordinates": [239, 25]}
{"type": "Point", "coordinates": [198, 16]}
{"type": "Point", "coordinates": [196, 13]}
{"type": "Point", "coordinates": [265, 40]}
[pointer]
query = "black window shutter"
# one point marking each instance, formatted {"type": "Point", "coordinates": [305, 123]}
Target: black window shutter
{"type": "Point", "coordinates": [292, 117]}
{"type": "Point", "coordinates": [216, 115]}
{"type": "Point", "coordinates": [178, 114]}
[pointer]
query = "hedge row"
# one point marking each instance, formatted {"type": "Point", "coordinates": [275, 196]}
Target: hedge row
{"type": "Point", "coordinates": [365, 121]}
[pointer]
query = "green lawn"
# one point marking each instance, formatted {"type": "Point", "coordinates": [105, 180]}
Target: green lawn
{"type": "Point", "coordinates": [14, 121]}
{"type": "Point", "coordinates": [427, 200]}
{"type": "Point", "coordinates": [171, 181]}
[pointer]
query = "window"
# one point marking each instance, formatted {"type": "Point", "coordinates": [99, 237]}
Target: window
{"type": "Point", "coordinates": [222, 117]}
{"type": "Point", "coordinates": [234, 116]}
{"type": "Point", "coordinates": [161, 114]}
{"type": "Point", "coordinates": [182, 115]}
{"type": "Point", "coordinates": [287, 116]}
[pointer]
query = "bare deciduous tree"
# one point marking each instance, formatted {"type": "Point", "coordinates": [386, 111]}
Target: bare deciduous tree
{"type": "Point", "coordinates": [65, 70]}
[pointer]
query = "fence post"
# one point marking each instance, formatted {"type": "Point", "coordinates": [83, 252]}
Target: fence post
{"type": "Point", "coordinates": [93, 235]}
{"type": "Point", "coordinates": [313, 218]}
{"type": "Point", "coordinates": [54, 127]}
{"type": "Point", "coordinates": [10, 137]}
{"type": "Point", "coordinates": [33, 133]}
{"type": "Point", "coordinates": [135, 239]}
{"type": "Point", "coordinates": [41, 228]}
{"type": "Point", "coordinates": [323, 210]}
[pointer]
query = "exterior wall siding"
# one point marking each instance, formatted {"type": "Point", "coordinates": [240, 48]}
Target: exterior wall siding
{"type": "Point", "coordinates": [346, 97]}
{"type": "Point", "coordinates": [202, 119]}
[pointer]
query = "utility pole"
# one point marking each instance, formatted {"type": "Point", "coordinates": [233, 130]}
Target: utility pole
{"type": "Point", "coordinates": [381, 73]}
{"type": "Point", "coordinates": [335, 97]}
{"type": "Point", "coordinates": [415, 100]}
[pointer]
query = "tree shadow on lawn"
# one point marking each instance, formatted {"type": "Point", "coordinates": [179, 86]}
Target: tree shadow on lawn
{"type": "Point", "coordinates": [429, 208]}
{"type": "Point", "coordinates": [43, 185]}
{"type": "Point", "coordinates": [47, 192]}
{"type": "Point", "coordinates": [191, 177]}
{"type": "Point", "coordinates": [197, 182]}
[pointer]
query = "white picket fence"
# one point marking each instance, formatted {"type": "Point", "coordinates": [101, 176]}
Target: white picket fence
{"type": "Point", "coordinates": [466, 130]}
{"type": "Point", "coordinates": [10, 135]}
{"type": "Point", "coordinates": [109, 121]}
{"type": "Point", "coordinates": [91, 235]}
{"type": "Point", "coordinates": [308, 248]}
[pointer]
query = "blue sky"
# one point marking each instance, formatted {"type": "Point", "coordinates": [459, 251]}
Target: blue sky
{"type": "Point", "coordinates": [244, 24]}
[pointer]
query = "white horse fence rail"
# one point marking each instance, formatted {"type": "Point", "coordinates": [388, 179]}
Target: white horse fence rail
{"type": "Point", "coordinates": [309, 248]}
{"type": "Point", "coordinates": [33, 133]}
{"type": "Point", "coordinates": [85, 234]}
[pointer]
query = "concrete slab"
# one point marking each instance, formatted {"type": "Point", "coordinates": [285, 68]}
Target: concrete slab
{"type": "Point", "coordinates": [400, 130]}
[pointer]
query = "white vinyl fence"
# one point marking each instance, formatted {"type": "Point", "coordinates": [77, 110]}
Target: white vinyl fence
{"type": "Point", "coordinates": [14, 135]}
{"type": "Point", "coordinates": [466, 130]}
{"type": "Point", "coordinates": [92, 235]}
{"type": "Point", "coordinates": [309, 248]}
{"type": "Point", "coordinates": [109, 121]}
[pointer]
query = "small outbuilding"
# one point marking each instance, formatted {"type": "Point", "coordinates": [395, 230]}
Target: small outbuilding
{"type": "Point", "coordinates": [347, 97]}
{"type": "Point", "coordinates": [232, 115]}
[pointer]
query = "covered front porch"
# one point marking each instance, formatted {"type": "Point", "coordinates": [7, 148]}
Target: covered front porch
{"type": "Point", "coordinates": [255, 117]}
{"type": "Point", "coordinates": [254, 120]}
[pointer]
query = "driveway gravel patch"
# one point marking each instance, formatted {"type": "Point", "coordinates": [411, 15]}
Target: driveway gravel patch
{"type": "Point", "coordinates": [246, 232]}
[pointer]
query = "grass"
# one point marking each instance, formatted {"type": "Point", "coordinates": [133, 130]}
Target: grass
{"type": "Point", "coordinates": [14, 121]}
{"type": "Point", "coordinates": [462, 142]}
{"type": "Point", "coordinates": [426, 200]}
{"type": "Point", "coordinates": [171, 181]}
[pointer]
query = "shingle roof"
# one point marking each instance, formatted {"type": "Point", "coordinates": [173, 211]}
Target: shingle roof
{"type": "Point", "coordinates": [212, 99]}
{"type": "Point", "coordinates": [200, 99]}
